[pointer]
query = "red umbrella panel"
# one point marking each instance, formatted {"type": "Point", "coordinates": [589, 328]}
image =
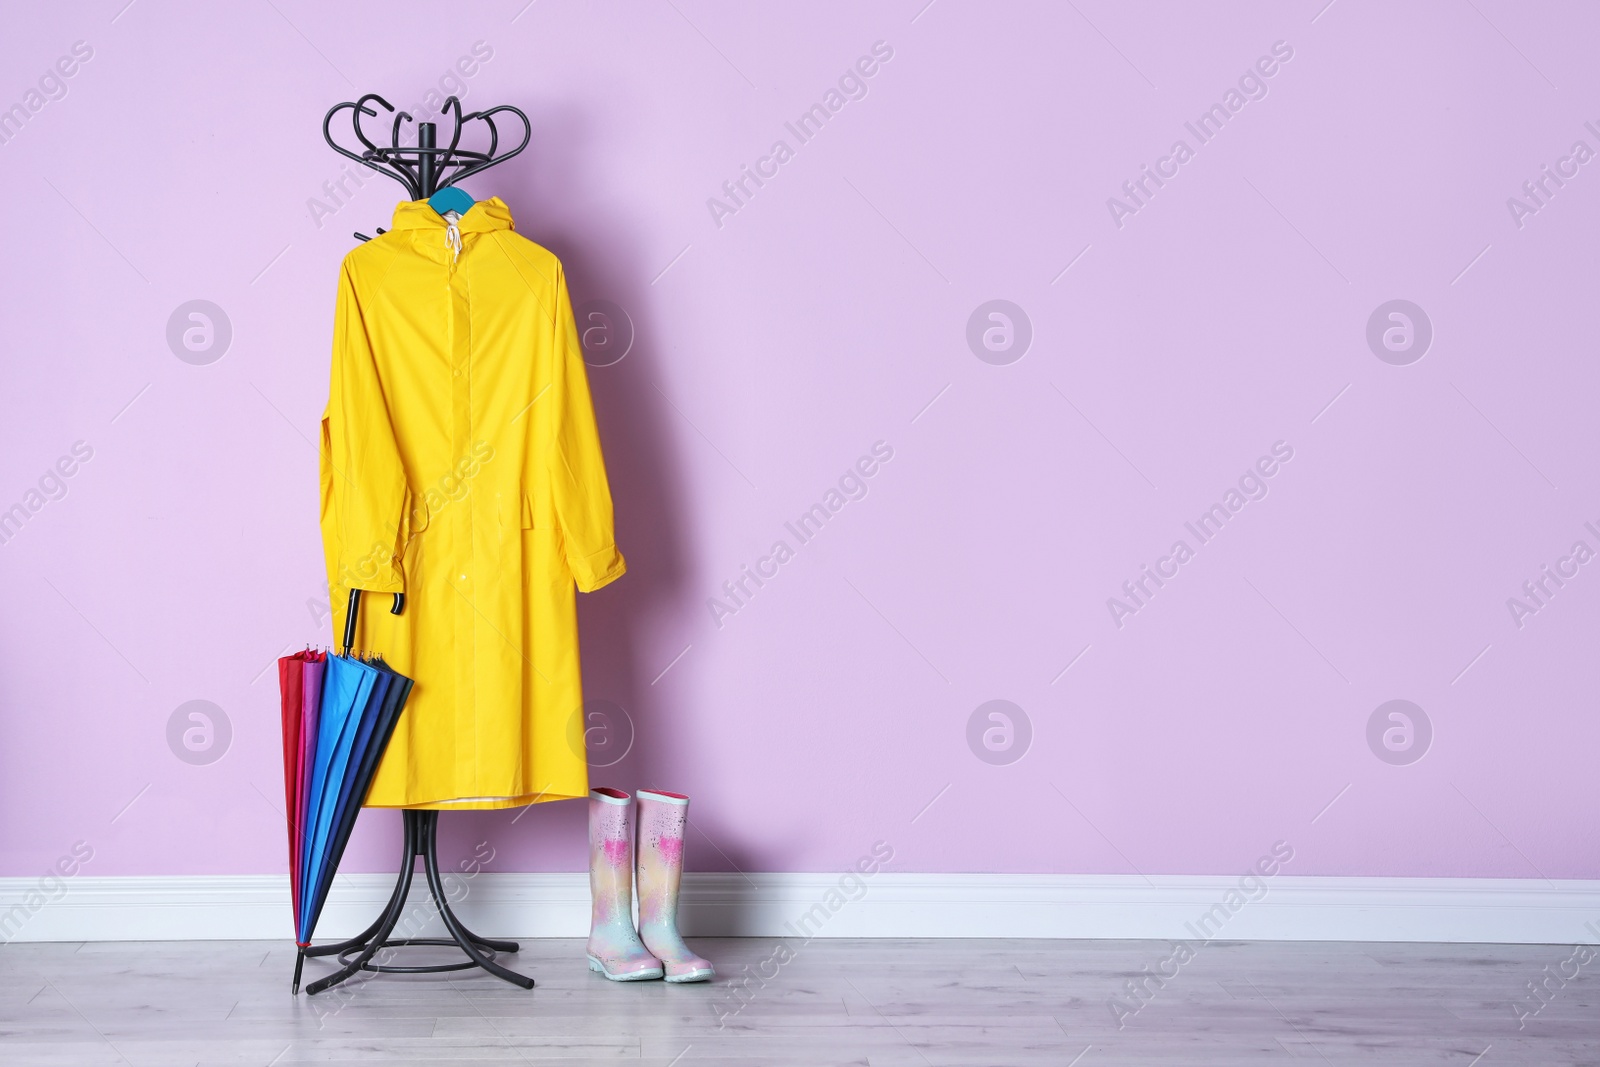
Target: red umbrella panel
{"type": "Point", "coordinates": [300, 688]}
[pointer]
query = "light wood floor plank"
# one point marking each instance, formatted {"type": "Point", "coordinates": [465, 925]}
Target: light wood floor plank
{"type": "Point", "coordinates": [973, 1003]}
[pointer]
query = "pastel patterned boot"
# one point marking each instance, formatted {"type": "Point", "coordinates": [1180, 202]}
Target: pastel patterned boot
{"type": "Point", "coordinates": [614, 946]}
{"type": "Point", "coordinates": [662, 818]}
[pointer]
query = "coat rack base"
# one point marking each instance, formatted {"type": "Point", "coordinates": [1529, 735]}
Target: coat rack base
{"type": "Point", "coordinates": [360, 953]}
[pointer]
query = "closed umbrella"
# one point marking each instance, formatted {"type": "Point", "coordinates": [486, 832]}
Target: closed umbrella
{"type": "Point", "coordinates": [347, 711]}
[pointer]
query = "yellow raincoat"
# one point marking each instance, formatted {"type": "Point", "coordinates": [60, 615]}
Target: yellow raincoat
{"type": "Point", "coordinates": [461, 466]}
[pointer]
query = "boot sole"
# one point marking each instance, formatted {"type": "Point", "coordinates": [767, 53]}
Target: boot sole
{"type": "Point", "coordinates": [636, 976]}
{"type": "Point", "coordinates": [693, 976]}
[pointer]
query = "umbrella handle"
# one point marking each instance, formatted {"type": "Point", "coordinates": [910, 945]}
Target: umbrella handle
{"type": "Point", "coordinates": [355, 609]}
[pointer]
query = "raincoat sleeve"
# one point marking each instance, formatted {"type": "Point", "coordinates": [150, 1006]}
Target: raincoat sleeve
{"type": "Point", "coordinates": [366, 479]}
{"type": "Point", "coordinates": [580, 491]}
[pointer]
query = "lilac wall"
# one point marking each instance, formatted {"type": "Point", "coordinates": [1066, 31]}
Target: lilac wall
{"type": "Point", "coordinates": [1178, 334]}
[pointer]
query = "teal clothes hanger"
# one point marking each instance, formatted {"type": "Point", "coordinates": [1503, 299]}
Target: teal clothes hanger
{"type": "Point", "coordinates": [451, 198]}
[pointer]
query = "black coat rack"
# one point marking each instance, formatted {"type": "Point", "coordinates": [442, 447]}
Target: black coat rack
{"type": "Point", "coordinates": [423, 168]}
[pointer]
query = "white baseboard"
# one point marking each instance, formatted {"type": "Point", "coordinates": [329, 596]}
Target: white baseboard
{"type": "Point", "coordinates": [1167, 907]}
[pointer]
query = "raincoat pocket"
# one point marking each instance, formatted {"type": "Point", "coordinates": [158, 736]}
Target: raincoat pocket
{"type": "Point", "coordinates": [417, 515]}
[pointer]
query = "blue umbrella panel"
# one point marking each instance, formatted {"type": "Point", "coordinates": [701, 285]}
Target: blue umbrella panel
{"type": "Point", "coordinates": [389, 692]}
{"type": "Point", "coordinates": [347, 690]}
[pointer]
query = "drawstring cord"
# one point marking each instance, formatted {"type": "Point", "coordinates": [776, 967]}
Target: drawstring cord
{"type": "Point", "coordinates": [452, 234]}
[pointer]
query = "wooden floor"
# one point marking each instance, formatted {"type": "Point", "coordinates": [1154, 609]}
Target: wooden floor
{"type": "Point", "coordinates": [881, 1003]}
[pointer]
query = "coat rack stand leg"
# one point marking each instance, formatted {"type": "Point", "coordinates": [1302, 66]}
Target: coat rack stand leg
{"type": "Point", "coordinates": [421, 842]}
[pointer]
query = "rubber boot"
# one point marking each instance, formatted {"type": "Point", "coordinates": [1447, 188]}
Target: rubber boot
{"type": "Point", "coordinates": [614, 947]}
{"type": "Point", "coordinates": [662, 818]}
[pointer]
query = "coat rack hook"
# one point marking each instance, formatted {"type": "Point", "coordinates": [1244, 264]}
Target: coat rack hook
{"type": "Point", "coordinates": [425, 167]}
